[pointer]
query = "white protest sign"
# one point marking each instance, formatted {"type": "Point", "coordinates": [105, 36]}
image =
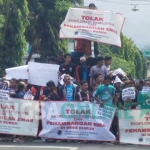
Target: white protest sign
{"type": "Point", "coordinates": [28, 96]}
{"type": "Point", "coordinates": [128, 93]}
{"type": "Point", "coordinates": [146, 89]}
{"type": "Point", "coordinates": [119, 71]}
{"type": "Point", "coordinates": [40, 73]}
{"type": "Point", "coordinates": [20, 72]}
{"type": "Point", "coordinates": [76, 120]}
{"type": "Point", "coordinates": [19, 117]}
{"type": "Point", "coordinates": [4, 95]}
{"type": "Point", "coordinates": [134, 126]}
{"type": "Point", "coordinates": [94, 25]}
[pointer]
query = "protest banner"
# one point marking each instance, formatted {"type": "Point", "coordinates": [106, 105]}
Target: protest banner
{"type": "Point", "coordinates": [40, 73]}
{"type": "Point", "coordinates": [144, 100]}
{"type": "Point", "coordinates": [146, 89]}
{"type": "Point", "coordinates": [134, 126]}
{"type": "Point", "coordinates": [19, 117]}
{"type": "Point", "coordinates": [76, 120]}
{"type": "Point", "coordinates": [128, 93]}
{"type": "Point", "coordinates": [94, 25]}
{"type": "Point", "coordinates": [20, 72]}
{"type": "Point", "coordinates": [4, 95]}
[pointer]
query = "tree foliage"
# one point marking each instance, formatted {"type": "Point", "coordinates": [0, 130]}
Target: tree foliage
{"type": "Point", "coordinates": [128, 57]}
{"type": "Point", "coordinates": [48, 15]}
{"type": "Point", "coordinates": [13, 22]}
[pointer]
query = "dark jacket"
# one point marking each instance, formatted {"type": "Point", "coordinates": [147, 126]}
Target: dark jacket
{"type": "Point", "coordinates": [50, 94]}
{"type": "Point", "coordinates": [62, 92]}
{"type": "Point", "coordinates": [81, 96]}
{"type": "Point", "coordinates": [79, 73]}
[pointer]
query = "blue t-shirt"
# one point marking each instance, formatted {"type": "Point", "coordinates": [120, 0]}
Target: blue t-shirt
{"type": "Point", "coordinates": [105, 94]}
{"type": "Point", "coordinates": [21, 94]}
{"type": "Point", "coordinates": [69, 92]}
{"type": "Point", "coordinates": [85, 74]}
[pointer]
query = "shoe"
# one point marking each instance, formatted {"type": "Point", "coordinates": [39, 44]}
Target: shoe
{"type": "Point", "coordinates": [18, 140]}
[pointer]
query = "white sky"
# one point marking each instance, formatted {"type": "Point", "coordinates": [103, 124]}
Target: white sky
{"type": "Point", "coordinates": [137, 24]}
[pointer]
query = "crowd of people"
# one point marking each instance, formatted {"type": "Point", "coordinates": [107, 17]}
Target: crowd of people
{"type": "Point", "coordinates": [81, 83]}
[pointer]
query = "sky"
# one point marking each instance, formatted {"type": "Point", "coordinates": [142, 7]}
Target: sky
{"type": "Point", "coordinates": [137, 24]}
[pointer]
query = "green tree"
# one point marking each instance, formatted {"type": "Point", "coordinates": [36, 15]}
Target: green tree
{"type": "Point", "coordinates": [2, 22]}
{"type": "Point", "coordinates": [128, 57]}
{"type": "Point", "coordinates": [48, 16]}
{"type": "Point", "coordinates": [13, 22]}
{"type": "Point", "coordinates": [127, 66]}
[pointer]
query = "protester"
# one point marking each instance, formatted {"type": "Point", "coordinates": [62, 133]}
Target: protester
{"type": "Point", "coordinates": [82, 71]}
{"type": "Point", "coordinates": [21, 90]}
{"type": "Point", "coordinates": [50, 92]}
{"type": "Point", "coordinates": [13, 88]}
{"type": "Point", "coordinates": [52, 60]}
{"type": "Point", "coordinates": [60, 59]}
{"type": "Point", "coordinates": [67, 67]}
{"type": "Point", "coordinates": [118, 89]}
{"type": "Point", "coordinates": [147, 83]}
{"type": "Point", "coordinates": [98, 69]}
{"type": "Point", "coordinates": [139, 85]}
{"type": "Point", "coordinates": [98, 79]}
{"type": "Point", "coordinates": [129, 103]}
{"type": "Point", "coordinates": [108, 62]}
{"type": "Point", "coordinates": [114, 128]}
{"type": "Point", "coordinates": [83, 47]}
{"type": "Point", "coordinates": [84, 94]}
{"type": "Point", "coordinates": [105, 93]}
{"type": "Point", "coordinates": [6, 85]}
{"type": "Point", "coordinates": [68, 90]}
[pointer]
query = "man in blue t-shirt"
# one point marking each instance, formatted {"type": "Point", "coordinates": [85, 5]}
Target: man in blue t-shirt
{"type": "Point", "coordinates": [68, 90]}
{"type": "Point", "coordinates": [105, 92]}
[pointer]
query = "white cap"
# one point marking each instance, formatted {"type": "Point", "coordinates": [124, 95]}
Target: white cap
{"type": "Point", "coordinates": [117, 80]}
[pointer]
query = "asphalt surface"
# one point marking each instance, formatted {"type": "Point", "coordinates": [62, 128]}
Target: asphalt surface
{"type": "Point", "coordinates": [68, 146]}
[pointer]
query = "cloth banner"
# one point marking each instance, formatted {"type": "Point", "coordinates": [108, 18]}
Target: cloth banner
{"type": "Point", "coordinates": [40, 73]}
{"type": "Point", "coordinates": [4, 95]}
{"type": "Point", "coordinates": [20, 72]}
{"type": "Point", "coordinates": [19, 117]}
{"type": "Point", "coordinates": [76, 120]}
{"type": "Point", "coordinates": [134, 126]}
{"type": "Point", "coordinates": [94, 25]}
{"type": "Point", "coordinates": [128, 93]}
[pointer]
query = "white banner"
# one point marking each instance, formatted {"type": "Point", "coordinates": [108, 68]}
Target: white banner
{"type": "Point", "coordinates": [94, 25]}
{"type": "Point", "coordinates": [20, 72]}
{"type": "Point", "coordinates": [19, 117]}
{"type": "Point", "coordinates": [76, 120]}
{"type": "Point", "coordinates": [4, 95]}
{"type": "Point", "coordinates": [146, 89]}
{"type": "Point", "coordinates": [40, 73]}
{"type": "Point", "coordinates": [134, 126]}
{"type": "Point", "coordinates": [128, 93]}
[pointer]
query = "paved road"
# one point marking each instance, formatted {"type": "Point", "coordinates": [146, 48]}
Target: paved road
{"type": "Point", "coordinates": [68, 146]}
